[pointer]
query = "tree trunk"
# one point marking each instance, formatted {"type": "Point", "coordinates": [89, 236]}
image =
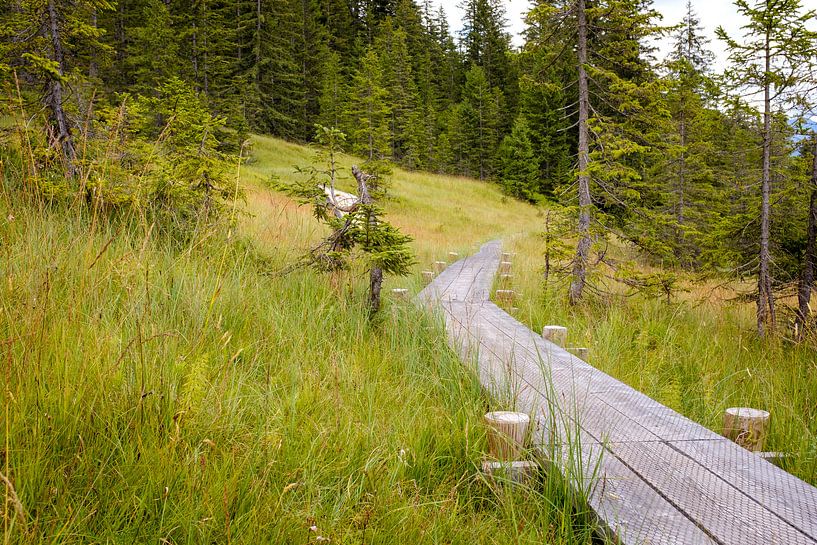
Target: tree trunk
{"type": "Point", "coordinates": [583, 247]}
{"type": "Point", "coordinates": [375, 273]}
{"type": "Point", "coordinates": [810, 259]}
{"type": "Point", "coordinates": [765, 299]}
{"type": "Point", "coordinates": [679, 212]}
{"type": "Point", "coordinates": [54, 97]}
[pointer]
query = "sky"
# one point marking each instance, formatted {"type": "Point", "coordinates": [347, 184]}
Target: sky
{"type": "Point", "coordinates": [711, 13]}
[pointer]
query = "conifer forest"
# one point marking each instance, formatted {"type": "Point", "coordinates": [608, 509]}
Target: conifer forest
{"type": "Point", "coordinates": [216, 215]}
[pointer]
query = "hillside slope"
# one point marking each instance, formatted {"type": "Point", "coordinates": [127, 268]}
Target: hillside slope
{"type": "Point", "coordinates": [442, 213]}
{"type": "Point", "coordinates": [167, 392]}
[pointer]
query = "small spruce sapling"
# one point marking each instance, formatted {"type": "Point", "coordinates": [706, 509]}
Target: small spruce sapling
{"type": "Point", "coordinates": [358, 230]}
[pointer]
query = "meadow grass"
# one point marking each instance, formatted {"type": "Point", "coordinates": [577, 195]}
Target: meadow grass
{"type": "Point", "coordinates": [157, 392]}
{"type": "Point", "coordinates": [698, 354]}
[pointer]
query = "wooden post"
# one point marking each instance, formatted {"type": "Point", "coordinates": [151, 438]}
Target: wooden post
{"type": "Point", "coordinates": [746, 427]}
{"type": "Point", "coordinates": [507, 432]}
{"type": "Point", "coordinates": [555, 334]}
{"type": "Point", "coordinates": [428, 276]}
{"type": "Point", "coordinates": [453, 256]}
{"type": "Point", "coordinates": [439, 266]}
{"type": "Point", "coordinates": [506, 278]}
{"type": "Point", "coordinates": [504, 297]}
{"type": "Point", "coordinates": [400, 294]}
{"type": "Point", "coordinates": [581, 353]}
{"type": "Point", "coordinates": [506, 256]}
{"type": "Point", "coordinates": [505, 267]}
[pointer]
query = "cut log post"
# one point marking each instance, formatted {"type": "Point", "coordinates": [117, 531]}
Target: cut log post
{"type": "Point", "coordinates": [505, 267]}
{"type": "Point", "coordinates": [516, 472]}
{"type": "Point", "coordinates": [581, 353]}
{"type": "Point", "coordinates": [555, 334]}
{"type": "Point", "coordinates": [453, 256]}
{"type": "Point", "coordinates": [747, 427]}
{"type": "Point", "coordinates": [505, 297]}
{"type": "Point", "coordinates": [400, 294]}
{"type": "Point", "coordinates": [428, 276]}
{"type": "Point", "coordinates": [439, 266]}
{"type": "Point", "coordinates": [776, 458]}
{"type": "Point", "coordinates": [506, 256]}
{"type": "Point", "coordinates": [513, 310]}
{"type": "Point", "coordinates": [506, 278]}
{"type": "Point", "coordinates": [507, 432]}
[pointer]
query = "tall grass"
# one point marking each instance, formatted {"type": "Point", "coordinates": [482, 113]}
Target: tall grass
{"type": "Point", "coordinates": [696, 354]}
{"type": "Point", "coordinates": [161, 394]}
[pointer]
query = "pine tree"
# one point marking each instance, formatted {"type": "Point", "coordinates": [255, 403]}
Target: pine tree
{"type": "Point", "coordinates": [51, 39]}
{"type": "Point", "coordinates": [401, 90]}
{"type": "Point", "coordinates": [479, 124]}
{"type": "Point", "coordinates": [367, 114]}
{"type": "Point", "coordinates": [486, 44]}
{"type": "Point", "coordinates": [774, 59]}
{"type": "Point", "coordinates": [684, 167]}
{"type": "Point", "coordinates": [617, 110]}
{"type": "Point", "coordinates": [333, 90]}
{"type": "Point", "coordinates": [519, 167]}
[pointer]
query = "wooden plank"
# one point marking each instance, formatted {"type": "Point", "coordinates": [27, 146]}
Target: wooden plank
{"type": "Point", "coordinates": [650, 474]}
{"type": "Point", "coordinates": [779, 491]}
{"type": "Point", "coordinates": [728, 514]}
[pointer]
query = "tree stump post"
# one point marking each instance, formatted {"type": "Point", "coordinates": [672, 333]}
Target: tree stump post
{"type": "Point", "coordinates": [453, 256]}
{"type": "Point", "coordinates": [747, 427]}
{"type": "Point", "coordinates": [506, 256]}
{"type": "Point", "coordinates": [505, 267]}
{"type": "Point", "coordinates": [439, 266]}
{"type": "Point", "coordinates": [555, 334]}
{"type": "Point", "coordinates": [581, 353]}
{"type": "Point", "coordinates": [506, 278]}
{"type": "Point", "coordinates": [400, 294]}
{"type": "Point", "coordinates": [428, 276]}
{"type": "Point", "coordinates": [507, 433]}
{"type": "Point", "coordinates": [505, 297]}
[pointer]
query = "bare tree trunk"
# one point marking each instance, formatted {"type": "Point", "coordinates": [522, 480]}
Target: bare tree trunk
{"type": "Point", "coordinates": [765, 299]}
{"type": "Point", "coordinates": [375, 273]}
{"type": "Point", "coordinates": [54, 98]}
{"type": "Point", "coordinates": [806, 282]}
{"type": "Point", "coordinates": [679, 212]}
{"type": "Point", "coordinates": [583, 247]}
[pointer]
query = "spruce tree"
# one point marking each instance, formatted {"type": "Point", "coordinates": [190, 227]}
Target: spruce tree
{"type": "Point", "coordinates": [479, 124]}
{"type": "Point", "coordinates": [773, 60]}
{"type": "Point", "coordinates": [519, 168]}
{"type": "Point", "coordinates": [367, 113]}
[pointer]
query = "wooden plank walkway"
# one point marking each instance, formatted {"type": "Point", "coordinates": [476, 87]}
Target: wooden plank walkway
{"type": "Point", "coordinates": [651, 475]}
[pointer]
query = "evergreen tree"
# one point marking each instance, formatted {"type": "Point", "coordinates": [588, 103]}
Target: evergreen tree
{"type": "Point", "coordinates": [520, 171]}
{"type": "Point", "coordinates": [486, 44]}
{"type": "Point", "coordinates": [774, 59]}
{"type": "Point", "coordinates": [50, 40]}
{"type": "Point", "coordinates": [479, 124]}
{"type": "Point", "coordinates": [617, 111]}
{"type": "Point", "coordinates": [333, 90]}
{"type": "Point", "coordinates": [367, 114]}
{"type": "Point", "coordinates": [401, 90]}
{"type": "Point", "coordinates": [684, 167]}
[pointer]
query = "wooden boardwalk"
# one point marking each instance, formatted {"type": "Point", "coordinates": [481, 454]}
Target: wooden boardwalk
{"type": "Point", "coordinates": [651, 475]}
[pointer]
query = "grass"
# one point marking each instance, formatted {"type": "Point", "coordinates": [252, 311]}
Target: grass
{"type": "Point", "coordinates": [186, 394]}
{"type": "Point", "coordinates": [698, 354]}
